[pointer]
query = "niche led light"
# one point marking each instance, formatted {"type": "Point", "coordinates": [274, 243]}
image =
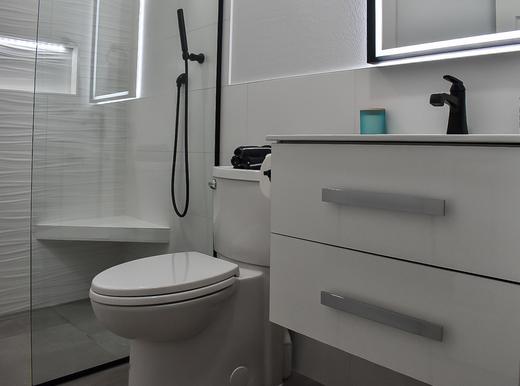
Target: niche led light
{"type": "Point", "coordinates": [31, 45]}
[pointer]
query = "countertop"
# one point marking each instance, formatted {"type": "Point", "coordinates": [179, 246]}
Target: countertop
{"type": "Point", "coordinates": [484, 139]}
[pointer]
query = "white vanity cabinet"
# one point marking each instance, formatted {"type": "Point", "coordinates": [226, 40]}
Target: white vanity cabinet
{"type": "Point", "coordinates": [405, 255]}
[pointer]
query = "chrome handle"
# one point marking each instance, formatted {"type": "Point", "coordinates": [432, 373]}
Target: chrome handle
{"type": "Point", "coordinates": [212, 184]}
{"type": "Point", "coordinates": [387, 201]}
{"type": "Point", "coordinates": [384, 316]}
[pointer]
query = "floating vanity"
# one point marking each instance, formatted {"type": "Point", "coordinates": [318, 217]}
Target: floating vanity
{"type": "Point", "coordinates": [403, 250]}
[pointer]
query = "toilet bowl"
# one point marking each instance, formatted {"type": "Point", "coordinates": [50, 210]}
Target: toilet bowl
{"type": "Point", "coordinates": [169, 297]}
{"type": "Point", "coordinates": [194, 319]}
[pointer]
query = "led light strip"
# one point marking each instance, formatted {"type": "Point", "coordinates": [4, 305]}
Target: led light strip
{"type": "Point", "coordinates": [32, 45]}
{"type": "Point", "coordinates": [472, 43]}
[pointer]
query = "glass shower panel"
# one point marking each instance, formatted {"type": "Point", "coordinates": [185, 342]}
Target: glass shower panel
{"type": "Point", "coordinates": [103, 140]}
{"type": "Point", "coordinates": [78, 182]}
{"type": "Point", "coordinates": [18, 21]}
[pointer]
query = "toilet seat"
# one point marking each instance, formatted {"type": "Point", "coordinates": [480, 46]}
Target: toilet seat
{"type": "Point", "coordinates": [161, 299]}
{"type": "Point", "coordinates": [163, 279]}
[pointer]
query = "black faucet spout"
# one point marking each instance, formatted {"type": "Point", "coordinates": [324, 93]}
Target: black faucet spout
{"type": "Point", "coordinates": [439, 100]}
{"type": "Point", "coordinates": [456, 99]}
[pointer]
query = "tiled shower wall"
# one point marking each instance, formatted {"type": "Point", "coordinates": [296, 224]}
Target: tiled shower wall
{"type": "Point", "coordinates": [17, 19]}
{"type": "Point", "coordinates": [79, 160]}
{"type": "Point", "coordinates": [100, 160]}
{"type": "Point", "coordinates": [78, 149]}
{"type": "Point", "coordinates": [151, 126]}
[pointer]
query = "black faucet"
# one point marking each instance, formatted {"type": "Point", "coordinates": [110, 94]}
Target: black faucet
{"type": "Point", "coordinates": [456, 99]}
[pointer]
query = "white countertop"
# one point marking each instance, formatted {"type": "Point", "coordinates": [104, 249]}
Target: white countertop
{"type": "Point", "coordinates": [424, 138]}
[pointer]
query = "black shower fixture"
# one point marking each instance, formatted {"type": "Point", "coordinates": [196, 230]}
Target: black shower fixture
{"type": "Point", "coordinates": [183, 80]}
{"type": "Point", "coordinates": [184, 41]}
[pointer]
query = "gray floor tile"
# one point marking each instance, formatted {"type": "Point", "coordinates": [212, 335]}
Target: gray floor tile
{"type": "Point", "coordinates": [13, 325]}
{"type": "Point", "coordinates": [118, 376]}
{"type": "Point", "coordinates": [15, 360]}
{"type": "Point", "coordinates": [364, 373]}
{"type": "Point", "coordinates": [117, 346]}
{"type": "Point", "coordinates": [299, 380]}
{"type": "Point", "coordinates": [80, 315]}
{"type": "Point", "coordinates": [318, 361]}
{"type": "Point", "coordinates": [45, 318]}
{"type": "Point", "coordinates": [62, 350]}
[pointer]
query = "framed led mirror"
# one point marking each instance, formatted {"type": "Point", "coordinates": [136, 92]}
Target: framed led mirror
{"type": "Point", "coordinates": [400, 29]}
{"type": "Point", "coordinates": [116, 50]}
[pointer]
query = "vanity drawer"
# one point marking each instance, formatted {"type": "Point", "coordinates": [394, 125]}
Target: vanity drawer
{"type": "Point", "coordinates": [438, 326]}
{"type": "Point", "coordinates": [448, 206]}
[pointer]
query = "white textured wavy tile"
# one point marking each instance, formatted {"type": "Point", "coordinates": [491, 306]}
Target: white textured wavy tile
{"type": "Point", "coordinates": [18, 18]}
{"type": "Point", "coordinates": [79, 164]}
{"type": "Point", "coordinates": [15, 162]}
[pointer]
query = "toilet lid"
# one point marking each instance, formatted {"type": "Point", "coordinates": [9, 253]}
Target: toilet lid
{"type": "Point", "coordinates": [161, 275]}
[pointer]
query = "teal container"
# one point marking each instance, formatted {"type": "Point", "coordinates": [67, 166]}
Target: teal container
{"type": "Point", "coordinates": [373, 121]}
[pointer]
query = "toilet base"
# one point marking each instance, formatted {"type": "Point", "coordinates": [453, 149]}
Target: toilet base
{"type": "Point", "coordinates": [237, 346]}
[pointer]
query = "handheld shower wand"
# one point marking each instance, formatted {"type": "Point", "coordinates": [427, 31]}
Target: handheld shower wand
{"type": "Point", "coordinates": [184, 41]}
{"type": "Point", "coordinates": [182, 80]}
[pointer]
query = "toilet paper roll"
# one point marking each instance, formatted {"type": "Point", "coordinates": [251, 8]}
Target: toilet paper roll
{"type": "Point", "coordinates": [265, 177]}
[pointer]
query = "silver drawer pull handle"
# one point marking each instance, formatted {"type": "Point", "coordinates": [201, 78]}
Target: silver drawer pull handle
{"type": "Point", "coordinates": [388, 201]}
{"type": "Point", "coordinates": [381, 315]}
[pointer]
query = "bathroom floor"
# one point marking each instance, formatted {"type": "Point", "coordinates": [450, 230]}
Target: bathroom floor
{"type": "Point", "coordinates": [66, 339]}
{"type": "Point", "coordinates": [118, 376]}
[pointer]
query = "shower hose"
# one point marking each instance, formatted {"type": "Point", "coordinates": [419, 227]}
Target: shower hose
{"type": "Point", "coordinates": [181, 80]}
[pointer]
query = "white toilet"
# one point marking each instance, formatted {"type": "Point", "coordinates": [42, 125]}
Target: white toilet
{"type": "Point", "coordinates": [195, 320]}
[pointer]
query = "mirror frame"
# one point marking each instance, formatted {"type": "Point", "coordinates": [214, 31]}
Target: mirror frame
{"type": "Point", "coordinates": [461, 47]}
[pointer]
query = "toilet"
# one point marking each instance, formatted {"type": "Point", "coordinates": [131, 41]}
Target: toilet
{"type": "Point", "coordinates": [196, 320]}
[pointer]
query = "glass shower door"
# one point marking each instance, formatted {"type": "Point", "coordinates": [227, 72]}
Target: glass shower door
{"type": "Point", "coordinates": [18, 20]}
{"type": "Point", "coordinates": [105, 96]}
{"type": "Point", "coordinates": [79, 157]}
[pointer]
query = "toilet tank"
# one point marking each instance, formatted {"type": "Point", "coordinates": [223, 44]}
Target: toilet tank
{"type": "Point", "coordinates": [241, 216]}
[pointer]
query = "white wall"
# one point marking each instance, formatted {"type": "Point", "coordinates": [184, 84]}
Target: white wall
{"type": "Point", "coordinates": [151, 126]}
{"type": "Point", "coordinates": [274, 38]}
{"type": "Point", "coordinates": [330, 102]}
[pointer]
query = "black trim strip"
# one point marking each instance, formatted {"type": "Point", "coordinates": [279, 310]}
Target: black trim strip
{"type": "Point", "coordinates": [84, 373]}
{"type": "Point", "coordinates": [218, 98]}
{"type": "Point", "coordinates": [399, 143]}
{"type": "Point", "coordinates": [371, 32]}
{"type": "Point", "coordinates": [401, 259]}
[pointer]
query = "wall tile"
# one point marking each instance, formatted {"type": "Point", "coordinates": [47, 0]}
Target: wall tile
{"type": "Point", "coordinates": [199, 13]}
{"type": "Point", "coordinates": [204, 40]}
{"type": "Point", "coordinates": [294, 37]}
{"type": "Point", "coordinates": [233, 121]}
{"type": "Point", "coordinates": [320, 103]}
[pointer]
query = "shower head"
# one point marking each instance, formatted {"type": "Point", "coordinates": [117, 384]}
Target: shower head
{"type": "Point", "coordinates": [184, 40]}
{"type": "Point", "coordinates": [182, 34]}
